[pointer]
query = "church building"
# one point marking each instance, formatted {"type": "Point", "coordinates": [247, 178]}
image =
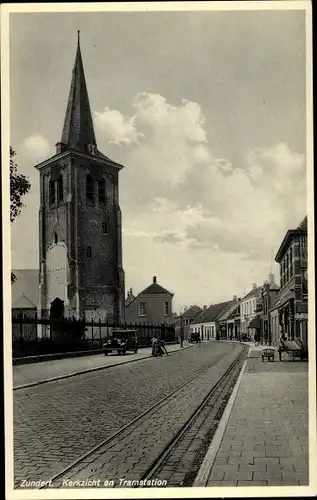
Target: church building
{"type": "Point", "coordinates": [80, 220]}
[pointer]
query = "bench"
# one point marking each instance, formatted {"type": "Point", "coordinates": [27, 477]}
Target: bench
{"type": "Point", "coordinates": [268, 354]}
{"type": "Point", "coordinates": [293, 350]}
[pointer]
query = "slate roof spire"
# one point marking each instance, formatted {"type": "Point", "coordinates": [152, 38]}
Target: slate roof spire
{"type": "Point", "coordinates": [78, 131]}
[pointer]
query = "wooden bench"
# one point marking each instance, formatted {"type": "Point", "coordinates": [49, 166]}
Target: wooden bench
{"type": "Point", "coordinates": [268, 354]}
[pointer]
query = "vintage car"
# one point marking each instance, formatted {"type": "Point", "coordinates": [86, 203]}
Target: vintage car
{"type": "Point", "coordinates": [121, 341]}
{"type": "Point", "coordinates": [195, 337]}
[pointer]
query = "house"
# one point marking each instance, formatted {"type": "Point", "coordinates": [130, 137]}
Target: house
{"type": "Point", "coordinates": [293, 298]}
{"type": "Point", "coordinates": [152, 305]}
{"type": "Point", "coordinates": [229, 320]}
{"type": "Point", "coordinates": [270, 294]}
{"type": "Point", "coordinates": [250, 307]}
{"type": "Point", "coordinates": [183, 321]}
{"type": "Point", "coordinates": [206, 322]}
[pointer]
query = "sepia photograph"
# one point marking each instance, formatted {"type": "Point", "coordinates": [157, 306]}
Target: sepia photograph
{"type": "Point", "coordinates": [159, 332]}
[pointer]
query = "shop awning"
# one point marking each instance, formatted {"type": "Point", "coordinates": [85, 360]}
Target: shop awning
{"type": "Point", "coordinates": [255, 323]}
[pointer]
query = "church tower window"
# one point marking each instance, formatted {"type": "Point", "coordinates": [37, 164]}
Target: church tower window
{"type": "Point", "coordinates": [102, 191]}
{"type": "Point", "coordinates": [88, 252]}
{"type": "Point", "coordinates": [52, 193]}
{"type": "Point", "coordinates": [89, 188]}
{"type": "Point", "coordinates": [104, 229]}
{"type": "Point", "coordinates": [60, 189]}
{"type": "Point", "coordinates": [55, 238]}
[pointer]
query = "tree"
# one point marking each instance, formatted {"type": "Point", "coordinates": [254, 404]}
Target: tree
{"type": "Point", "coordinates": [19, 186]}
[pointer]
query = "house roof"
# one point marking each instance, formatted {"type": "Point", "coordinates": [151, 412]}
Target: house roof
{"type": "Point", "coordinates": [23, 303]}
{"type": "Point", "coordinates": [253, 293]}
{"type": "Point", "coordinates": [155, 289]}
{"type": "Point", "coordinates": [212, 313]}
{"type": "Point", "coordinates": [290, 234]}
{"type": "Point", "coordinates": [26, 284]}
{"type": "Point", "coordinates": [191, 312]}
{"type": "Point", "coordinates": [228, 311]}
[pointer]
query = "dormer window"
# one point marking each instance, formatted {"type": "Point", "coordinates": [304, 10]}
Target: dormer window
{"type": "Point", "coordinates": [89, 189]}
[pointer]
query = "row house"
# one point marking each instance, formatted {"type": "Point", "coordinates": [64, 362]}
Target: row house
{"type": "Point", "coordinates": [250, 307]}
{"type": "Point", "coordinates": [152, 305]}
{"type": "Point", "coordinates": [229, 321]}
{"type": "Point", "coordinates": [290, 314]}
{"type": "Point", "coordinates": [270, 295]}
{"type": "Point", "coordinates": [207, 324]}
{"type": "Point", "coordinates": [184, 320]}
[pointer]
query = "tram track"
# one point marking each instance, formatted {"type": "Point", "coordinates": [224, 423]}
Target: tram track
{"type": "Point", "coordinates": [124, 433]}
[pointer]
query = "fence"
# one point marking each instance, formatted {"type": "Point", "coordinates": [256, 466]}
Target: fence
{"type": "Point", "coordinates": [32, 336]}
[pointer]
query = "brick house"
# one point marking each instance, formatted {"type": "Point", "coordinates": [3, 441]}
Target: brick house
{"type": "Point", "coordinates": [229, 320]}
{"type": "Point", "coordinates": [153, 305]}
{"type": "Point", "coordinates": [293, 298]}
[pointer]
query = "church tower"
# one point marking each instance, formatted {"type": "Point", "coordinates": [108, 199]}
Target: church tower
{"type": "Point", "coordinates": [80, 220]}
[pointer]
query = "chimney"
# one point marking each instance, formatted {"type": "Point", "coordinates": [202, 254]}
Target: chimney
{"type": "Point", "coordinates": [154, 279]}
{"type": "Point", "coordinates": [271, 279]}
{"type": "Point", "coordinates": [131, 293]}
{"type": "Point", "coordinates": [254, 286]}
{"type": "Point", "coordinates": [235, 298]}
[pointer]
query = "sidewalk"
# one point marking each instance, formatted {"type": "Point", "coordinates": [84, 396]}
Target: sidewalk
{"type": "Point", "coordinates": [46, 371]}
{"type": "Point", "coordinates": [265, 440]}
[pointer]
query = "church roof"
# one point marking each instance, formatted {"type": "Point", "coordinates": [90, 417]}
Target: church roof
{"type": "Point", "coordinates": [27, 285]}
{"type": "Point", "coordinates": [23, 303]}
{"type": "Point", "coordinates": [78, 129]}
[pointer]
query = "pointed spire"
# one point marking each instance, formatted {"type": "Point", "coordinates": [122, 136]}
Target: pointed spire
{"type": "Point", "coordinates": [78, 132]}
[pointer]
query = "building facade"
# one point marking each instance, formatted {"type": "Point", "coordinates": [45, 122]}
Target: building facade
{"type": "Point", "coordinates": [293, 299]}
{"type": "Point", "coordinates": [206, 323]}
{"type": "Point", "coordinates": [250, 307]}
{"type": "Point", "coordinates": [80, 220]}
{"type": "Point", "coordinates": [270, 295]}
{"type": "Point", "coordinates": [183, 321]}
{"type": "Point", "coordinates": [229, 321]}
{"type": "Point", "coordinates": [153, 305]}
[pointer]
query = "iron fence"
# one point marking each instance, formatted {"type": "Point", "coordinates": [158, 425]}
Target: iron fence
{"type": "Point", "coordinates": [34, 336]}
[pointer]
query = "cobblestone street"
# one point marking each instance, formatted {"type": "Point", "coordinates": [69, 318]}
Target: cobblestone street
{"type": "Point", "coordinates": [57, 422]}
{"type": "Point", "coordinates": [266, 438]}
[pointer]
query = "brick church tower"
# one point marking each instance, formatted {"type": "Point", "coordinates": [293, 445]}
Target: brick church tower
{"type": "Point", "coordinates": [80, 220]}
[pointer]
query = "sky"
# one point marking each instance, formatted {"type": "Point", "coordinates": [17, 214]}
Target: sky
{"type": "Point", "coordinates": [206, 111]}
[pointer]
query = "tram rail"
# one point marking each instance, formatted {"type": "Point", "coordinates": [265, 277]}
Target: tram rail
{"type": "Point", "coordinates": [139, 420]}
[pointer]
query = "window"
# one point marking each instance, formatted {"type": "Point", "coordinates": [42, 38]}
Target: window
{"type": "Point", "coordinates": [88, 252]}
{"type": "Point", "coordinates": [142, 309]}
{"type": "Point", "coordinates": [290, 262]}
{"type": "Point", "coordinates": [55, 238]}
{"type": "Point", "coordinates": [89, 188]}
{"type": "Point", "coordinates": [166, 309]}
{"type": "Point", "coordinates": [52, 192]}
{"type": "Point", "coordinates": [102, 191]}
{"type": "Point", "coordinates": [60, 189]}
{"type": "Point", "coordinates": [104, 228]}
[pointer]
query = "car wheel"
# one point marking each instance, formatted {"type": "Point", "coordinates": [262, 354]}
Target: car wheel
{"type": "Point", "coordinates": [106, 354]}
{"type": "Point", "coordinates": [123, 352]}
{"type": "Point", "coordinates": [135, 351]}
{"type": "Point", "coordinates": [119, 352]}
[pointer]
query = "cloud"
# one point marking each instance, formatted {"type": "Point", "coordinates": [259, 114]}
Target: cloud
{"type": "Point", "coordinates": [116, 127]}
{"type": "Point", "coordinates": [37, 147]}
{"type": "Point", "coordinates": [177, 191]}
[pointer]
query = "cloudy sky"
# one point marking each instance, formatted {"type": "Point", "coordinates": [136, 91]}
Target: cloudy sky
{"type": "Point", "coordinates": [206, 110]}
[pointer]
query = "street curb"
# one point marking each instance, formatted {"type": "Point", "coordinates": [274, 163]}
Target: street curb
{"type": "Point", "coordinates": [81, 372]}
{"type": "Point", "coordinates": [206, 466]}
